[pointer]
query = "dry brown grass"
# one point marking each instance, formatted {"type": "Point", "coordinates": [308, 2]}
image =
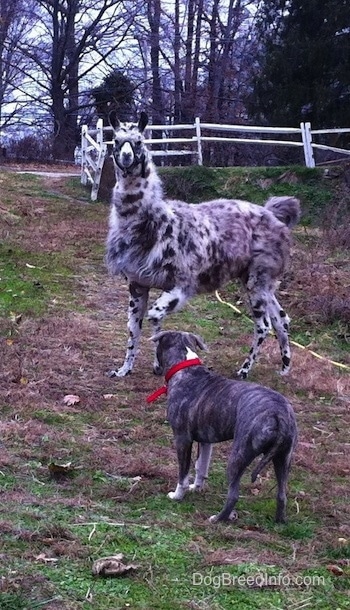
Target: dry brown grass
{"type": "Point", "coordinates": [111, 429]}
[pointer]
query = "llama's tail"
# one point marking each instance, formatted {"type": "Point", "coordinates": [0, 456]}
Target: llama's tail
{"type": "Point", "coordinates": [286, 209]}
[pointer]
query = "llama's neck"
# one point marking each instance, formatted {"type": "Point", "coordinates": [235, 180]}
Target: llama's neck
{"type": "Point", "coordinates": [142, 186]}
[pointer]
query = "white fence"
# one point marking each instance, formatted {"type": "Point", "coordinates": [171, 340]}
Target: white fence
{"type": "Point", "coordinates": [94, 143]}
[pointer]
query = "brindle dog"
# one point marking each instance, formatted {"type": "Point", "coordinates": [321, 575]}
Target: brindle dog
{"type": "Point", "coordinates": [208, 408]}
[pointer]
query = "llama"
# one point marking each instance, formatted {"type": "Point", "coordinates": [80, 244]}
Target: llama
{"type": "Point", "coordinates": [188, 249]}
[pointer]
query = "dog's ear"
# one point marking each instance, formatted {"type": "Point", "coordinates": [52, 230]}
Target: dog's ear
{"type": "Point", "coordinates": [197, 341]}
{"type": "Point", "coordinates": [143, 122]}
{"type": "Point", "coordinates": [158, 336]}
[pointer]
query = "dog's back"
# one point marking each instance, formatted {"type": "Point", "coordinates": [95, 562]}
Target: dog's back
{"type": "Point", "coordinates": [212, 408]}
{"type": "Point", "coordinates": [209, 408]}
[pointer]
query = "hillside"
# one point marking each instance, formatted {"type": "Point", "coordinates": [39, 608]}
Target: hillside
{"type": "Point", "coordinates": [85, 463]}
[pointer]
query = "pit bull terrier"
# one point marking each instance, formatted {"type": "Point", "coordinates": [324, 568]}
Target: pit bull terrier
{"type": "Point", "coordinates": [209, 408]}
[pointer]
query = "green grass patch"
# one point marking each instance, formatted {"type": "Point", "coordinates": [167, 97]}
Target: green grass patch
{"type": "Point", "coordinates": [195, 184]}
{"type": "Point", "coordinates": [31, 282]}
{"type": "Point", "coordinates": [121, 450]}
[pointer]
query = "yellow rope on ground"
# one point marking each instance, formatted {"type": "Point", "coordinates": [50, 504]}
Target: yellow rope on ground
{"type": "Point", "coordinates": [340, 364]}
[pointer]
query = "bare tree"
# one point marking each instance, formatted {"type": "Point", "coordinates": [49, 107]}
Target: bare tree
{"type": "Point", "coordinates": [14, 27]}
{"type": "Point", "coordinates": [75, 38]}
{"type": "Point", "coordinates": [154, 16]}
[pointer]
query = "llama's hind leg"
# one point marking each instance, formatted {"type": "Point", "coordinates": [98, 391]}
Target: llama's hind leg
{"type": "Point", "coordinates": [261, 330]}
{"type": "Point", "coordinates": [168, 302]}
{"type": "Point", "coordinates": [280, 322]}
{"type": "Point", "coordinates": [137, 309]}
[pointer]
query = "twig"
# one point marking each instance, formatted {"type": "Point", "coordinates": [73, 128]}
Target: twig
{"type": "Point", "coordinates": [115, 524]}
{"type": "Point", "coordinates": [92, 532]}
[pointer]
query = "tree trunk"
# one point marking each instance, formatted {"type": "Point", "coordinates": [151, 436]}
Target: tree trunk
{"type": "Point", "coordinates": [154, 12]}
{"type": "Point", "coordinates": [177, 69]}
{"type": "Point", "coordinates": [64, 80]}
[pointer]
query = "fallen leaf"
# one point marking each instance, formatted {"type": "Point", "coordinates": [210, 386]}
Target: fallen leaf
{"type": "Point", "coordinates": [336, 570]}
{"type": "Point", "coordinates": [71, 399]}
{"type": "Point", "coordinates": [43, 557]}
{"type": "Point", "coordinates": [61, 470]}
{"type": "Point", "coordinates": [112, 566]}
{"type": "Point", "coordinates": [15, 317]}
{"type": "Point", "coordinates": [255, 491]}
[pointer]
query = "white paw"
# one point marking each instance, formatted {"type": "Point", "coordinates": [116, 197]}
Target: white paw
{"type": "Point", "coordinates": [196, 487]}
{"type": "Point", "coordinates": [233, 516]}
{"type": "Point", "coordinates": [175, 495]}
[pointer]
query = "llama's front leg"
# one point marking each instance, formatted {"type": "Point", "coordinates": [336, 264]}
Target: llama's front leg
{"type": "Point", "coordinates": [261, 330]}
{"type": "Point", "coordinates": [168, 302]}
{"type": "Point", "coordinates": [137, 308]}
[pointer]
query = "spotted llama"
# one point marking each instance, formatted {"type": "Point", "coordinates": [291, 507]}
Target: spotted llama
{"type": "Point", "coordinates": [188, 249]}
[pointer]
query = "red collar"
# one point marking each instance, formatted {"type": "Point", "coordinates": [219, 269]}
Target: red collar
{"type": "Point", "coordinates": [174, 369]}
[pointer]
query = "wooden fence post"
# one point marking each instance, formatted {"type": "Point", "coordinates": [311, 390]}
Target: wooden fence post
{"type": "Point", "coordinates": [84, 131]}
{"type": "Point", "coordinates": [307, 144]}
{"type": "Point", "coordinates": [199, 141]}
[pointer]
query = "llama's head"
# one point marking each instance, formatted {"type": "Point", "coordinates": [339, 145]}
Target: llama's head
{"type": "Point", "coordinates": [128, 152]}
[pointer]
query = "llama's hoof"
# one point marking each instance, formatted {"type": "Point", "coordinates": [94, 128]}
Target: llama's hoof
{"type": "Point", "coordinates": [242, 373]}
{"type": "Point", "coordinates": [122, 372]}
{"type": "Point", "coordinates": [284, 372]}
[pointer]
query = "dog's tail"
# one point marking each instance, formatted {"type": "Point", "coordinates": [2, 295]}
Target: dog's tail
{"type": "Point", "coordinates": [282, 436]}
{"type": "Point", "coordinates": [263, 462]}
{"type": "Point", "coordinates": [286, 209]}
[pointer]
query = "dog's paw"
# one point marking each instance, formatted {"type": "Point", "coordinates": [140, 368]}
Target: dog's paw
{"type": "Point", "coordinates": [216, 518]}
{"type": "Point", "coordinates": [175, 495]}
{"type": "Point", "coordinates": [213, 519]}
{"type": "Point", "coordinates": [196, 487]}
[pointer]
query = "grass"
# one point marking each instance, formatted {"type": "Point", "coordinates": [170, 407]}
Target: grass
{"type": "Point", "coordinates": [196, 184]}
{"type": "Point", "coordinates": [59, 336]}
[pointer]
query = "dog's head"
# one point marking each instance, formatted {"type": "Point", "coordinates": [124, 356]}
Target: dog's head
{"type": "Point", "coordinates": [175, 346]}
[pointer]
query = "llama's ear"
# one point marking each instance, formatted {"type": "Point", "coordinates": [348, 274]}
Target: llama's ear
{"type": "Point", "coordinates": [143, 122]}
{"type": "Point", "coordinates": [113, 119]}
{"type": "Point", "coordinates": [197, 341]}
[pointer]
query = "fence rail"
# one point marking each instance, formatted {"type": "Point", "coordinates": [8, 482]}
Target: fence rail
{"type": "Point", "coordinates": [94, 143]}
